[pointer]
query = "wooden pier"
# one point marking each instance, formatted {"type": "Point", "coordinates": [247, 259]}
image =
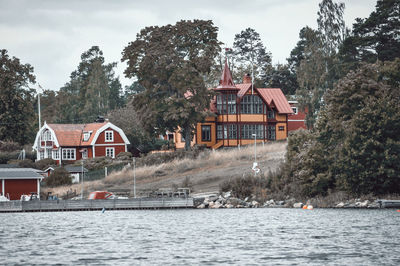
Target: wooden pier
{"type": "Point", "coordinates": [95, 205]}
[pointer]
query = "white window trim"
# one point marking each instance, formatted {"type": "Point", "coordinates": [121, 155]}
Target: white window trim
{"type": "Point", "coordinates": [112, 135]}
{"type": "Point", "coordinates": [69, 159]}
{"type": "Point", "coordinates": [295, 111]}
{"type": "Point", "coordinates": [56, 154]}
{"type": "Point", "coordinates": [113, 151]}
{"type": "Point", "coordinates": [86, 136]}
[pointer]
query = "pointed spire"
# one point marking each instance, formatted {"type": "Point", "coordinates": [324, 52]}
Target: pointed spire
{"type": "Point", "coordinates": [226, 81]}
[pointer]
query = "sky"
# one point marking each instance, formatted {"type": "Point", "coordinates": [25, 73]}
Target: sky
{"type": "Point", "coordinates": [51, 35]}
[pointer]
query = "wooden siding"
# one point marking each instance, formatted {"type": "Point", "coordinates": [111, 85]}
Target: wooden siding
{"type": "Point", "coordinates": [101, 139]}
{"type": "Point", "coordinates": [17, 187]}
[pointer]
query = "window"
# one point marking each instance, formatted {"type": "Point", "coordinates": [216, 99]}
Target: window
{"type": "Point", "coordinates": [46, 135]}
{"type": "Point", "coordinates": [110, 152]}
{"type": "Point", "coordinates": [68, 154]}
{"type": "Point", "coordinates": [109, 135]}
{"type": "Point", "coordinates": [206, 133]}
{"type": "Point", "coordinates": [271, 132]}
{"type": "Point", "coordinates": [41, 154]}
{"type": "Point", "coordinates": [232, 132]}
{"type": "Point", "coordinates": [56, 155]}
{"type": "Point", "coordinates": [247, 131]}
{"type": "Point", "coordinates": [219, 132]}
{"type": "Point", "coordinates": [271, 114]}
{"type": "Point", "coordinates": [84, 154]}
{"type": "Point", "coordinates": [231, 103]}
{"type": "Point", "coordinates": [86, 136]}
{"type": "Point", "coordinates": [226, 103]}
{"type": "Point", "coordinates": [48, 153]}
{"type": "Point", "coordinates": [251, 104]}
{"type": "Point", "coordinates": [281, 128]}
{"type": "Point", "coordinates": [295, 110]}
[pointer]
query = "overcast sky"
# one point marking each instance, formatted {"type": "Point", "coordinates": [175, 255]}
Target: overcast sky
{"type": "Point", "coordinates": [51, 35]}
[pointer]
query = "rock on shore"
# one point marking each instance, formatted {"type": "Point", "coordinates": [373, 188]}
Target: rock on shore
{"type": "Point", "coordinates": [226, 200]}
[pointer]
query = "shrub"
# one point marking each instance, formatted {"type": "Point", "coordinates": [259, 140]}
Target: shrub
{"type": "Point", "coordinates": [60, 177]}
{"type": "Point", "coordinates": [44, 163]}
{"type": "Point", "coordinates": [246, 186]}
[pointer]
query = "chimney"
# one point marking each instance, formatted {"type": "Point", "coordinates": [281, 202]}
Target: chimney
{"type": "Point", "coordinates": [247, 79]}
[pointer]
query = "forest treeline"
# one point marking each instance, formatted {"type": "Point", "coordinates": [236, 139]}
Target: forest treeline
{"type": "Point", "coordinates": [346, 77]}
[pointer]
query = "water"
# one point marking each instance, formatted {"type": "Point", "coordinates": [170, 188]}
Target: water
{"type": "Point", "coordinates": [209, 237]}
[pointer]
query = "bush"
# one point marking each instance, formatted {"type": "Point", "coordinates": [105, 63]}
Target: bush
{"type": "Point", "coordinates": [60, 177]}
{"type": "Point", "coordinates": [44, 163]}
{"type": "Point", "coordinates": [245, 186]}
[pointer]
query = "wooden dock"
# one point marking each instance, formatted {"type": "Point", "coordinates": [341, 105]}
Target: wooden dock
{"type": "Point", "coordinates": [389, 203]}
{"type": "Point", "coordinates": [95, 205]}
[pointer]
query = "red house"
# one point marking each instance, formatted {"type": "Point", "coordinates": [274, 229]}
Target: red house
{"type": "Point", "coordinates": [296, 120]}
{"type": "Point", "coordinates": [66, 143]}
{"type": "Point", "coordinates": [15, 182]}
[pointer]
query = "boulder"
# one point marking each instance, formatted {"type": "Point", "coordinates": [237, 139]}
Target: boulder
{"type": "Point", "coordinates": [298, 205]}
{"type": "Point", "coordinates": [229, 206]}
{"type": "Point", "coordinates": [340, 205]}
{"type": "Point", "coordinates": [255, 204]}
{"type": "Point", "coordinates": [280, 203]}
{"type": "Point", "coordinates": [201, 206]}
{"type": "Point", "coordinates": [215, 206]}
{"type": "Point", "coordinates": [364, 204]}
{"type": "Point", "coordinates": [227, 195]}
{"type": "Point", "coordinates": [234, 201]}
{"type": "Point", "coordinates": [211, 204]}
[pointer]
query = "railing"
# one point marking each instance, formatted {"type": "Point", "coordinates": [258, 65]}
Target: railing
{"type": "Point", "coordinates": [91, 205]}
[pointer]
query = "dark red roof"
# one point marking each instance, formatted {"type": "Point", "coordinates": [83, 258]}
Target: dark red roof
{"type": "Point", "coordinates": [276, 95]}
{"type": "Point", "coordinates": [226, 81]}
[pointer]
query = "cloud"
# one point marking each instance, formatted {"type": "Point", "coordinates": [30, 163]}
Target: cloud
{"type": "Point", "coordinates": [51, 35]}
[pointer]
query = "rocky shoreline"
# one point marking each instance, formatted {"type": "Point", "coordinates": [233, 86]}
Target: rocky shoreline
{"type": "Point", "coordinates": [226, 200]}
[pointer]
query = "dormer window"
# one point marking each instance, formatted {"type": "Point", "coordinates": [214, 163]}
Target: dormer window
{"type": "Point", "coordinates": [46, 135]}
{"type": "Point", "coordinates": [109, 136]}
{"type": "Point", "coordinates": [86, 136]}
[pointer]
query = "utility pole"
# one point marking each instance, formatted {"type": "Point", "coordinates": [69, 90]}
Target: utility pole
{"type": "Point", "coordinates": [134, 177]}
{"type": "Point", "coordinates": [40, 123]}
{"type": "Point", "coordinates": [82, 180]}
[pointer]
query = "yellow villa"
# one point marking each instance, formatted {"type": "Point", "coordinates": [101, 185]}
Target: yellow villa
{"type": "Point", "coordinates": [243, 113]}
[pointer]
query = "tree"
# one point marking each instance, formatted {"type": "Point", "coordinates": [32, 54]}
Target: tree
{"type": "Point", "coordinates": [281, 77]}
{"type": "Point", "coordinates": [355, 145]}
{"type": "Point", "coordinates": [252, 56]}
{"type": "Point", "coordinates": [318, 69]}
{"type": "Point", "coordinates": [92, 90]}
{"type": "Point", "coordinates": [16, 99]}
{"type": "Point", "coordinates": [60, 177]}
{"type": "Point", "coordinates": [374, 38]}
{"type": "Point", "coordinates": [311, 77]}
{"type": "Point", "coordinates": [129, 121]}
{"type": "Point", "coordinates": [170, 63]}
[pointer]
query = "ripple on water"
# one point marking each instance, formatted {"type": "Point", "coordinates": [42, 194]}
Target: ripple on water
{"type": "Point", "coordinates": [238, 236]}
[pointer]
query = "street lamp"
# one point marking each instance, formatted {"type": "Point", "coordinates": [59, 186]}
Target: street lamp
{"type": "Point", "coordinates": [255, 169]}
{"type": "Point", "coordinates": [134, 177]}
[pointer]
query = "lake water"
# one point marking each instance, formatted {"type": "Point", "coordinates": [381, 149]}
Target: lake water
{"type": "Point", "coordinates": [207, 237]}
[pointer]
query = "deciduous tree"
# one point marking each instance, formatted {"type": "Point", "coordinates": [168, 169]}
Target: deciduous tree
{"type": "Point", "coordinates": [16, 99]}
{"type": "Point", "coordinates": [170, 63]}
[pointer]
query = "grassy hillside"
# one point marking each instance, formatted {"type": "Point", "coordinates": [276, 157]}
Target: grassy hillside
{"type": "Point", "coordinates": [203, 174]}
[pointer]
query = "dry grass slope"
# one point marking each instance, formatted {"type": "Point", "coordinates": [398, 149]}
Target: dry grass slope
{"type": "Point", "coordinates": [204, 174]}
